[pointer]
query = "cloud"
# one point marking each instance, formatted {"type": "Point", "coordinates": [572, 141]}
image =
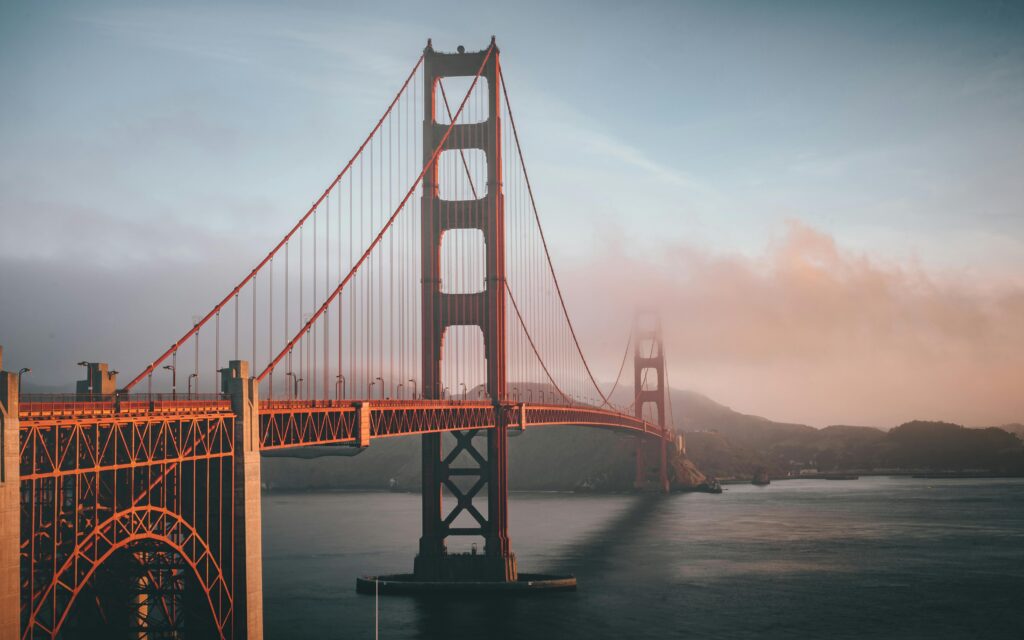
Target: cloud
{"type": "Point", "coordinates": [813, 332]}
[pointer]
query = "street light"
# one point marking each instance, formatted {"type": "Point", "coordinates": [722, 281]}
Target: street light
{"type": "Point", "coordinates": [174, 378]}
{"type": "Point", "coordinates": [398, 391]}
{"type": "Point", "coordinates": [515, 393]}
{"type": "Point", "coordinates": [22, 372]}
{"type": "Point", "coordinates": [413, 381]}
{"type": "Point", "coordinates": [465, 391]}
{"type": "Point", "coordinates": [381, 386]}
{"type": "Point", "coordinates": [190, 376]}
{"type": "Point", "coordinates": [296, 384]}
{"type": "Point", "coordinates": [444, 393]}
{"type": "Point", "coordinates": [339, 386]}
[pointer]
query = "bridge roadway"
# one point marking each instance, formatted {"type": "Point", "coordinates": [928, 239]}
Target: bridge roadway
{"type": "Point", "coordinates": [60, 435]}
{"type": "Point", "coordinates": [130, 469]}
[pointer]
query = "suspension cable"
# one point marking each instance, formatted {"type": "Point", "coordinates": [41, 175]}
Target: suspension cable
{"type": "Point", "coordinates": [433, 159]}
{"type": "Point", "coordinates": [547, 254]}
{"type": "Point", "coordinates": [252, 274]}
{"type": "Point", "coordinates": [533, 346]}
{"type": "Point", "coordinates": [622, 365]}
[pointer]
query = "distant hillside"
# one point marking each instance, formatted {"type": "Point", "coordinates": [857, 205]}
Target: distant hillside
{"type": "Point", "coordinates": [1015, 428]}
{"type": "Point", "coordinates": [545, 458]}
{"type": "Point", "coordinates": [720, 441]}
{"type": "Point", "coordinates": [695, 412]}
{"type": "Point", "coordinates": [941, 445]}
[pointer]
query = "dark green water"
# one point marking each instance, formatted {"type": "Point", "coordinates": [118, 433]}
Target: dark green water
{"type": "Point", "coordinates": [871, 558]}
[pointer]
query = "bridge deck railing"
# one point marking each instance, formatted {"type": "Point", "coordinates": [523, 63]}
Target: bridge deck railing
{"type": "Point", "coordinates": [35, 407]}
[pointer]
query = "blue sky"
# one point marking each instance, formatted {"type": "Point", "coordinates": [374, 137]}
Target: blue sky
{"type": "Point", "coordinates": [147, 137]}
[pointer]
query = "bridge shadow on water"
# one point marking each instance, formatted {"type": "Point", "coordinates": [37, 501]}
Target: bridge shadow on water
{"type": "Point", "coordinates": [591, 559]}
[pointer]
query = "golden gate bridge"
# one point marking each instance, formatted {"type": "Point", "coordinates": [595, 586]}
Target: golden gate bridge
{"type": "Point", "coordinates": [416, 296]}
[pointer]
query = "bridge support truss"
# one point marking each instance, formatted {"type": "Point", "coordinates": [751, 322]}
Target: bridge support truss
{"type": "Point", "coordinates": [649, 360]}
{"type": "Point", "coordinates": [131, 513]}
{"type": "Point", "coordinates": [484, 309]}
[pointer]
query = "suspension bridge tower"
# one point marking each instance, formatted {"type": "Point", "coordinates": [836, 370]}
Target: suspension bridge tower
{"type": "Point", "coordinates": [651, 390]}
{"type": "Point", "coordinates": [484, 309]}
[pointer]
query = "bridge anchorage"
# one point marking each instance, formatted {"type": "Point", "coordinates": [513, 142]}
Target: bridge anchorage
{"type": "Point", "coordinates": [415, 297]}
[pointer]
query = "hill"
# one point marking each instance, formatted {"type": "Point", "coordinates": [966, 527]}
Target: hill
{"type": "Point", "coordinates": [720, 441]}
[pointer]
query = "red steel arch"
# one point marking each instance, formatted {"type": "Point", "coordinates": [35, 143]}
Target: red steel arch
{"type": "Point", "coordinates": [140, 523]}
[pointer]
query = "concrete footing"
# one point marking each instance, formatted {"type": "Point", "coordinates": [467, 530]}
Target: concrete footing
{"type": "Point", "coordinates": [407, 584]}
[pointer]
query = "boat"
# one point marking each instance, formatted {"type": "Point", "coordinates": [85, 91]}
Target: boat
{"type": "Point", "coordinates": [710, 485]}
{"type": "Point", "coordinates": [760, 477]}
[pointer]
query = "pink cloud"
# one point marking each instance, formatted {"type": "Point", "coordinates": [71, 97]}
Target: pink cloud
{"type": "Point", "coordinates": [813, 332]}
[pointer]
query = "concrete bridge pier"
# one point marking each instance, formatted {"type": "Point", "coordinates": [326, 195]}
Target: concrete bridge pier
{"type": "Point", "coordinates": [248, 542]}
{"type": "Point", "coordinates": [10, 508]}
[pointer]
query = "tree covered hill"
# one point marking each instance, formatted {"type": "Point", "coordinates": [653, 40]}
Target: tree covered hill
{"type": "Point", "coordinates": [720, 441]}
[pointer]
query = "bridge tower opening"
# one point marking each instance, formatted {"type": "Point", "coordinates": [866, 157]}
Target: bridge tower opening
{"type": "Point", "coordinates": [484, 309]}
{"type": "Point", "coordinates": [651, 391]}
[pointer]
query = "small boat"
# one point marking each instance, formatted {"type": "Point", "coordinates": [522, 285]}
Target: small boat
{"type": "Point", "coordinates": [760, 477]}
{"type": "Point", "coordinates": [710, 485]}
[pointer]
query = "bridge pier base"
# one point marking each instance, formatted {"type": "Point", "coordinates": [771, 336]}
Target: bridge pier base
{"type": "Point", "coordinates": [248, 542]}
{"type": "Point", "coordinates": [652, 477]}
{"type": "Point", "coordinates": [497, 562]}
{"type": "Point", "coordinates": [10, 508]}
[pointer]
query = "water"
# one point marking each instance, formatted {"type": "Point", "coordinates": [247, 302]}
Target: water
{"type": "Point", "coordinates": [871, 558]}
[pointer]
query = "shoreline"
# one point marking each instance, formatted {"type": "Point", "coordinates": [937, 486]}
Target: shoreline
{"type": "Point", "coordinates": [845, 476]}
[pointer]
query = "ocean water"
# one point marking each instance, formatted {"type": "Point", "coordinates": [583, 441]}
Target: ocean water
{"type": "Point", "coordinates": [870, 558]}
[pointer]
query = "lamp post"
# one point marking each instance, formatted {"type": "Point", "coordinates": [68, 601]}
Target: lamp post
{"type": "Point", "coordinates": [398, 391]}
{"type": "Point", "coordinates": [381, 386]}
{"type": "Point", "coordinates": [296, 383]}
{"type": "Point", "coordinates": [22, 372]}
{"type": "Point", "coordinates": [515, 393]}
{"type": "Point", "coordinates": [413, 381]}
{"type": "Point", "coordinates": [189, 382]}
{"type": "Point", "coordinates": [174, 378]}
{"type": "Point", "coordinates": [444, 393]}
{"type": "Point", "coordinates": [465, 391]}
{"type": "Point", "coordinates": [339, 386]}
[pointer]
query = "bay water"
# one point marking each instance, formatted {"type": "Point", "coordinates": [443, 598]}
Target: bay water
{"type": "Point", "coordinates": [877, 557]}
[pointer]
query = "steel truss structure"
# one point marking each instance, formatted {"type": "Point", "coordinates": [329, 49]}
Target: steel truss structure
{"type": "Point", "coordinates": [153, 482]}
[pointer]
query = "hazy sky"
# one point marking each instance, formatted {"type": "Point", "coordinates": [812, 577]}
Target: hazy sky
{"type": "Point", "coordinates": [829, 196]}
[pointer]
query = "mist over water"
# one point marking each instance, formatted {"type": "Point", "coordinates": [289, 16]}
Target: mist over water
{"type": "Point", "coordinates": [871, 558]}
